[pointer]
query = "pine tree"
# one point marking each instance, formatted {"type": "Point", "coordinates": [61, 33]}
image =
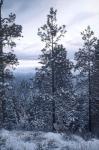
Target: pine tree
{"type": "Point", "coordinates": [95, 101]}
{"type": "Point", "coordinates": [8, 32]}
{"type": "Point", "coordinates": [50, 33]}
{"type": "Point", "coordinates": [85, 64]}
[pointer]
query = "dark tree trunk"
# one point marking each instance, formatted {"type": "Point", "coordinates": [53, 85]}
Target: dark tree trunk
{"type": "Point", "coordinates": [89, 89]}
{"type": "Point", "coordinates": [1, 71]}
{"type": "Point", "coordinates": [89, 78]}
{"type": "Point", "coordinates": [53, 88]}
{"type": "Point", "coordinates": [2, 89]}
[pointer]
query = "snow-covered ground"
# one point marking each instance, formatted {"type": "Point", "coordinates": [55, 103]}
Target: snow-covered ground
{"type": "Point", "coordinates": [19, 140]}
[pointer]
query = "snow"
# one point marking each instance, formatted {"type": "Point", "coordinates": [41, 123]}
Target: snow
{"type": "Point", "coordinates": [14, 141]}
{"type": "Point", "coordinates": [26, 140]}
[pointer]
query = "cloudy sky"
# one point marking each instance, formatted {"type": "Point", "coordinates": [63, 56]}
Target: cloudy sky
{"type": "Point", "coordinates": [31, 14]}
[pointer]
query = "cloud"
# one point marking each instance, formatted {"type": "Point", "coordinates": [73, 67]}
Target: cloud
{"type": "Point", "coordinates": [13, 4]}
{"type": "Point", "coordinates": [27, 66]}
{"type": "Point", "coordinates": [80, 17]}
{"type": "Point", "coordinates": [28, 51]}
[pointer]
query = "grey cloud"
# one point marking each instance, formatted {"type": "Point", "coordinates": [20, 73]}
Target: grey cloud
{"type": "Point", "coordinates": [11, 3]}
{"type": "Point", "coordinates": [28, 52]}
{"type": "Point", "coordinates": [17, 6]}
{"type": "Point", "coordinates": [24, 56]}
{"type": "Point", "coordinates": [22, 4]}
{"type": "Point", "coordinates": [82, 17]}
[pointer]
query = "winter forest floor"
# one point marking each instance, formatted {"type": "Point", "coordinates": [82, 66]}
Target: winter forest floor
{"type": "Point", "coordinates": [26, 140]}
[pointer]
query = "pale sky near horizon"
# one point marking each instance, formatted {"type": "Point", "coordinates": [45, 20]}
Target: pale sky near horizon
{"type": "Point", "coordinates": [31, 14]}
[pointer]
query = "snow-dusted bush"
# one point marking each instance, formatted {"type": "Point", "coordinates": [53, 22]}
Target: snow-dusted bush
{"type": "Point", "coordinates": [21, 140]}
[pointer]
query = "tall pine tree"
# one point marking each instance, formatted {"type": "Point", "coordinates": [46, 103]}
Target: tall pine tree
{"type": "Point", "coordinates": [95, 100]}
{"type": "Point", "coordinates": [50, 33]}
{"type": "Point", "coordinates": [8, 32]}
{"type": "Point", "coordinates": [54, 75]}
{"type": "Point", "coordinates": [85, 64]}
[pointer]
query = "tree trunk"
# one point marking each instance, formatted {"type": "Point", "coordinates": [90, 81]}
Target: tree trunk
{"type": "Point", "coordinates": [2, 90]}
{"type": "Point", "coordinates": [53, 89]}
{"type": "Point", "coordinates": [89, 82]}
{"type": "Point", "coordinates": [89, 88]}
{"type": "Point", "coordinates": [1, 70]}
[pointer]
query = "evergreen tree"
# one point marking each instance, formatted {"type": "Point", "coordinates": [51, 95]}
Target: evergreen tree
{"type": "Point", "coordinates": [50, 33]}
{"type": "Point", "coordinates": [8, 32]}
{"type": "Point", "coordinates": [54, 75]}
{"type": "Point", "coordinates": [96, 72]}
{"type": "Point", "coordinates": [85, 64]}
{"type": "Point", "coordinates": [95, 100]}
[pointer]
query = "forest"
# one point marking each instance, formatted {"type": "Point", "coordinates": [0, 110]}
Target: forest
{"type": "Point", "coordinates": [61, 98]}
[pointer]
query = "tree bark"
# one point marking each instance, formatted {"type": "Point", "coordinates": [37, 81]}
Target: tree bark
{"type": "Point", "coordinates": [2, 89]}
{"type": "Point", "coordinates": [53, 88]}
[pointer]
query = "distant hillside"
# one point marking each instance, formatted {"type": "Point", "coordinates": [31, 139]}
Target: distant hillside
{"type": "Point", "coordinates": [24, 74]}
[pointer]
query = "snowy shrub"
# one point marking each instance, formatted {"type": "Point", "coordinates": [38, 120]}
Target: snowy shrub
{"type": "Point", "coordinates": [21, 140]}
